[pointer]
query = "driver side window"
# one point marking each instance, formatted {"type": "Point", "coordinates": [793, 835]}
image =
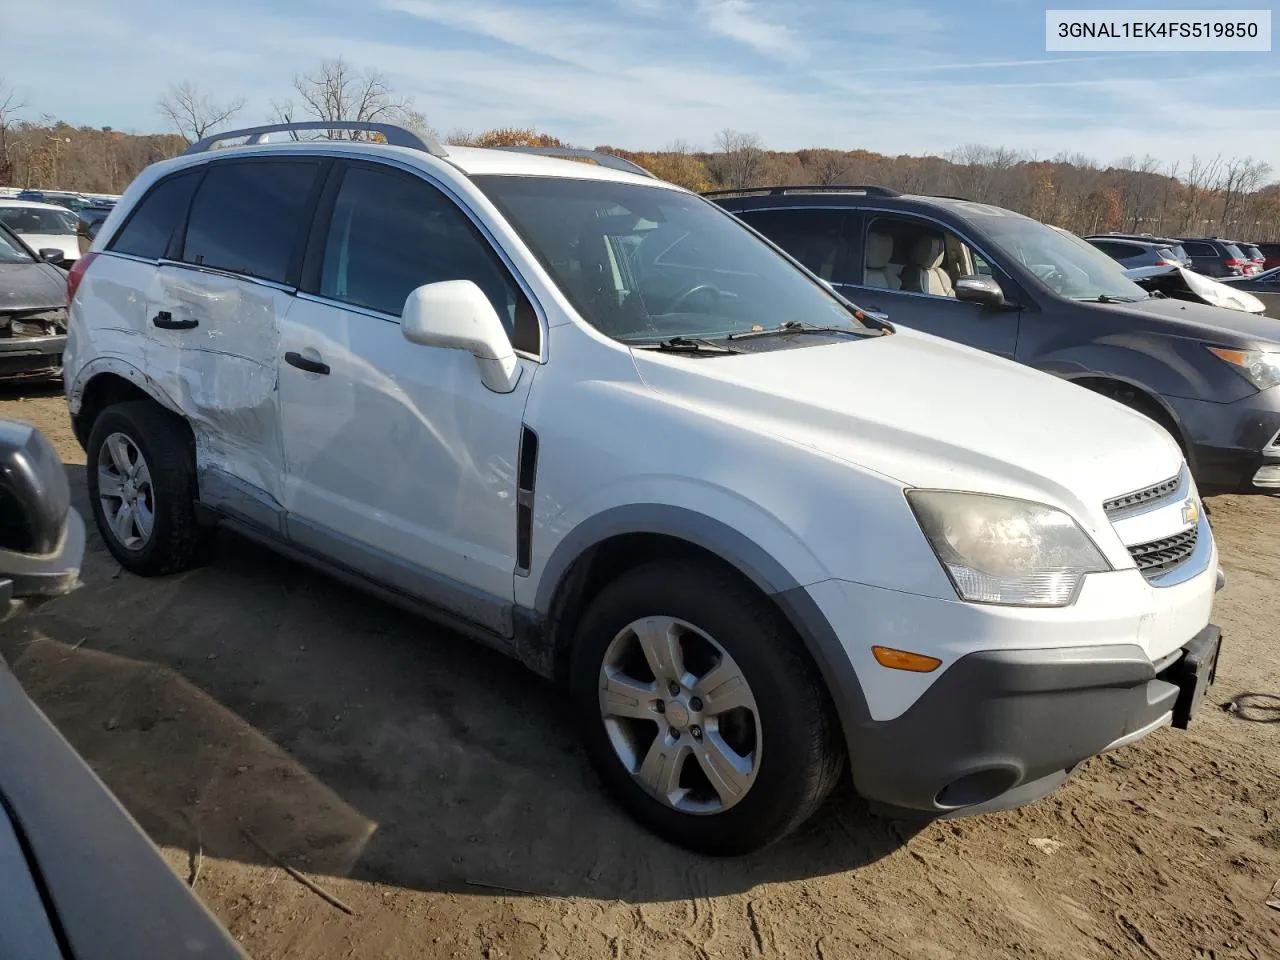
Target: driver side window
{"type": "Point", "coordinates": [916, 256]}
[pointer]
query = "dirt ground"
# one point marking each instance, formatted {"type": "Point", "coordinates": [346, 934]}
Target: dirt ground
{"type": "Point", "coordinates": [439, 791]}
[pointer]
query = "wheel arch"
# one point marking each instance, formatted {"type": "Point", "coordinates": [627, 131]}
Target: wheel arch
{"type": "Point", "coordinates": [107, 381]}
{"type": "Point", "coordinates": [602, 548]}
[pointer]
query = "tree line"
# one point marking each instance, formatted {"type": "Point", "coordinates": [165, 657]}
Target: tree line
{"type": "Point", "coordinates": [1221, 196]}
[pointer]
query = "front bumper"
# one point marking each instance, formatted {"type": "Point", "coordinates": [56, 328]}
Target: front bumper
{"type": "Point", "coordinates": [31, 356]}
{"type": "Point", "coordinates": [1003, 728]}
{"type": "Point", "coordinates": [1229, 443]}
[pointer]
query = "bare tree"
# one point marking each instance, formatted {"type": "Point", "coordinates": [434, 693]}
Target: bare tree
{"type": "Point", "coordinates": [1201, 180]}
{"type": "Point", "coordinates": [193, 113]}
{"type": "Point", "coordinates": [741, 161]}
{"type": "Point", "coordinates": [10, 105]}
{"type": "Point", "coordinates": [1240, 177]}
{"type": "Point", "coordinates": [337, 91]}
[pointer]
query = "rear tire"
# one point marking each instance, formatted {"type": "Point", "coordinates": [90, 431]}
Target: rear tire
{"type": "Point", "coordinates": [142, 489]}
{"type": "Point", "coordinates": [786, 762]}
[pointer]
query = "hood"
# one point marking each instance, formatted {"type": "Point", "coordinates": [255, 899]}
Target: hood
{"type": "Point", "coordinates": [929, 413]}
{"type": "Point", "coordinates": [31, 286]}
{"type": "Point", "coordinates": [1206, 322]}
{"type": "Point", "coordinates": [1185, 285]}
{"type": "Point", "coordinates": [68, 244]}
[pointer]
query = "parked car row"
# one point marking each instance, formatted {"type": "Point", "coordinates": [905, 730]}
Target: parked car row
{"type": "Point", "coordinates": [1212, 256]}
{"type": "Point", "coordinates": [761, 522]}
{"type": "Point", "coordinates": [43, 226]}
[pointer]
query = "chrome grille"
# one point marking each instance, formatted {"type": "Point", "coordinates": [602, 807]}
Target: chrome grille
{"type": "Point", "coordinates": [1158, 557]}
{"type": "Point", "coordinates": [1140, 498]}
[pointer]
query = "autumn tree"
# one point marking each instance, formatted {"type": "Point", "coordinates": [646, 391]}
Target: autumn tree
{"type": "Point", "coordinates": [193, 113]}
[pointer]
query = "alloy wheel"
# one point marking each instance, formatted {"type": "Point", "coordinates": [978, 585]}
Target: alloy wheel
{"type": "Point", "coordinates": [680, 715]}
{"type": "Point", "coordinates": [125, 491]}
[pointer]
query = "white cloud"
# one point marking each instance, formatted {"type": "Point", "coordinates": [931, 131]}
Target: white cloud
{"type": "Point", "coordinates": [641, 73]}
{"type": "Point", "coordinates": [739, 20]}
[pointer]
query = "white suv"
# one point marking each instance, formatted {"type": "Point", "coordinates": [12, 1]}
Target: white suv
{"type": "Point", "coordinates": [591, 419]}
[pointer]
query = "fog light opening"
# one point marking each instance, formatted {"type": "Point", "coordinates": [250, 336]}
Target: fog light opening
{"type": "Point", "coordinates": [975, 788]}
{"type": "Point", "coordinates": [1268, 476]}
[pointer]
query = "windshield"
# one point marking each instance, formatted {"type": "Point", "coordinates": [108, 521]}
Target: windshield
{"type": "Point", "coordinates": [11, 251]}
{"type": "Point", "coordinates": [1061, 261]}
{"type": "Point", "coordinates": [38, 220]}
{"type": "Point", "coordinates": [649, 263]}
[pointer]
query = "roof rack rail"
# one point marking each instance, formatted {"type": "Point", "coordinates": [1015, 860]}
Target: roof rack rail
{"type": "Point", "coordinates": [395, 135]}
{"type": "Point", "coordinates": [603, 159]}
{"type": "Point", "coordinates": [870, 189]}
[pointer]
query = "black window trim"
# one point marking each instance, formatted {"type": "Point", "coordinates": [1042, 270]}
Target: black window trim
{"type": "Point", "coordinates": [313, 259]}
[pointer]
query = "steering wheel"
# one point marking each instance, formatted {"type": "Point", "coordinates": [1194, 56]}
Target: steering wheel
{"type": "Point", "coordinates": [679, 301]}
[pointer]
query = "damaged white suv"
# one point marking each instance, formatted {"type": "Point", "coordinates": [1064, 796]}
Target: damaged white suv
{"type": "Point", "coordinates": [590, 419]}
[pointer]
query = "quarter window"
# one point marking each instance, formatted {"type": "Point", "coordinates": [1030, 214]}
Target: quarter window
{"type": "Point", "coordinates": [817, 238]}
{"type": "Point", "coordinates": [249, 216]}
{"type": "Point", "coordinates": [391, 233]}
{"type": "Point", "coordinates": [150, 227]}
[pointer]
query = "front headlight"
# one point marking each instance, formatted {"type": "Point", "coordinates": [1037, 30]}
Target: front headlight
{"type": "Point", "coordinates": [1259, 367]}
{"type": "Point", "coordinates": [1006, 551]}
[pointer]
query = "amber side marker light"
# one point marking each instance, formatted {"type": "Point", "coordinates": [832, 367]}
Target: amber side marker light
{"type": "Point", "coordinates": [905, 660]}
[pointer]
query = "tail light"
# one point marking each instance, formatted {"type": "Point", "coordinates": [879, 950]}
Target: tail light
{"type": "Point", "coordinates": [1166, 262]}
{"type": "Point", "coordinates": [76, 274]}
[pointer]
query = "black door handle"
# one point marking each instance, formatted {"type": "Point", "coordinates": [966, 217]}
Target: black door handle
{"type": "Point", "coordinates": [295, 359]}
{"type": "Point", "coordinates": [164, 320]}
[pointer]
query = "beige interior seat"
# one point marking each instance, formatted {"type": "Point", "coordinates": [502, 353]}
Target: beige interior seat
{"type": "Point", "coordinates": [923, 272]}
{"type": "Point", "coordinates": [879, 272]}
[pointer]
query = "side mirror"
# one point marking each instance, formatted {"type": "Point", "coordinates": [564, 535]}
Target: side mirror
{"type": "Point", "coordinates": [51, 255]}
{"type": "Point", "coordinates": [456, 315]}
{"type": "Point", "coordinates": [977, 288]}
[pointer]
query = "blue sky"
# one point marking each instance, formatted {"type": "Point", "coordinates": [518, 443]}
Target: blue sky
{"type": "Point", "coordinates": [916, 76]}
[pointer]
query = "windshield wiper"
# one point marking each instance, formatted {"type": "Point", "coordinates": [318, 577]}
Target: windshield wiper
{"type": "Point", "coordinates": [685, 345]}
{"type": "Point", "coordinates": [799, 326]}
{"type": "Point", "coordinates": [1107, 298]}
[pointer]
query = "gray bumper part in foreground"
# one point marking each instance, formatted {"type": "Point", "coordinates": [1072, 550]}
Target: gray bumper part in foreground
{"type": "Point", "coordinates": [1002, 728]}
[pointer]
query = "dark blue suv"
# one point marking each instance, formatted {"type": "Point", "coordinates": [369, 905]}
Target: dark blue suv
{"type": "Point", "coordinates": [1004, 283]}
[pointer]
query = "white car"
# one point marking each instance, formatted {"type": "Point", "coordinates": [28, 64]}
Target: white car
{"type": "Point", "coordinates": [590, 419]}
{"type": "Point", "coordinates": [42, 227]}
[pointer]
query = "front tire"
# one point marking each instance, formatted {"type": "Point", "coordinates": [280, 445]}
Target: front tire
{"type": "Point", "coordinates": [142, 489]}
{"type": "Point", "coordinates": [701, 712]}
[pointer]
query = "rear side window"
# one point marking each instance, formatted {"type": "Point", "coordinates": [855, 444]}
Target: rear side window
{"type": "Point", "coordinates": [1113, 249]}
{"type": "Point", "coordinates": [1199, 249]}
{"type": "Point", "coordinates": [817, 238]}
{"type": "Point", "coordinates": [249, 217]}
{"type": "Point", "coordinates": [149, 228]}
{"type": "Point", "coordinates": [391, 233]}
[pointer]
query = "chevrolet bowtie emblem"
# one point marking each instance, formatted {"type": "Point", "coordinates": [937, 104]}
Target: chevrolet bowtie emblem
{"type": "Point", "coordinates": [1190, 512]}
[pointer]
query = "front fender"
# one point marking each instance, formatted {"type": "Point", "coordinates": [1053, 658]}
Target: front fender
{"type": "Point", "coordinates": [719, 537]}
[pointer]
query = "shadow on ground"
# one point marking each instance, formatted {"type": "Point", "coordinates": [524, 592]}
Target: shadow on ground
{"type": "Point", "coordinates": [355, 740]}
